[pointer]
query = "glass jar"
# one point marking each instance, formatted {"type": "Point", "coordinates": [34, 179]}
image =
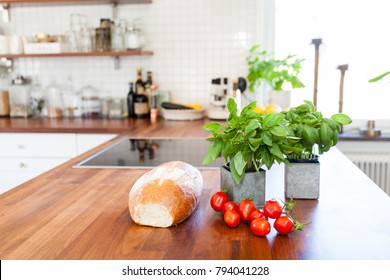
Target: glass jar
{"type": "Point", "coordinates": [4, 97]}
{"type": "Point", "coordinates": [103, 39]}
{"type": "Point", "coordinates": [133, 39]}
{"type": "Point", "coordinates": [116, 110]}
{"type": "Point", "coordinates": [38, 95]}
{"type": "Point", "coordinates": [90, 102]}
{"type": "Point", "coordinates": [70, 100]}
{"type": "Point", "coordinates": [54, 100]}
{"type": "Point", "coordinates": [20, 97]}
{"type": "Point", "coordinates": [118, 38]}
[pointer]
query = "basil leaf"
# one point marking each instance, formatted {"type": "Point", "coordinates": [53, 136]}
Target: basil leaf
{"type": "Point", "coordinates": [275, 150]}
{"type": "Point", "coordinates": [253, 124]}
{"type": "Point", "coordinates": [341, 118]}
{"type": "Point", "coordinates": [213, 127]}
{"type": "Point", "coordinates": [232, 106]}
{"type": "Point", "coordinates": [239, 163]}
{"type": "Point", "coordinates": [267, 138]}
{"type": "Point", "coordinates": [213, 152]}
{"type": "Point", "coordinates": [236, 177]}
{"type": "Point", "coordinates": [278, 131]}
{"type": "Point", "coordinates": [272, 119]}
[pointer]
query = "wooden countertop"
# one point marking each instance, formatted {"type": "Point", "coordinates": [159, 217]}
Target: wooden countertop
{"type": "Point", "coordinates": [100, 125]}
{"type": "Point", "coordinates": [81, 213]}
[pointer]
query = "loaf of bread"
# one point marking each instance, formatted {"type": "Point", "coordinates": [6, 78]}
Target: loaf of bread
{"type": "Point", "coordinates": [165, 195]}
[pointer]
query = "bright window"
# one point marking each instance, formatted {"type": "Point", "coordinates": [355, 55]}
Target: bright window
{"type": "Point", "coordinates": [354, 33]}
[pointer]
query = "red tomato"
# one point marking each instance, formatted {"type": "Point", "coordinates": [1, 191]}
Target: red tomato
{"type": "Point", "coordinates": [272, 209]}
{"type": "Point", "coordinates": [245, 208]}
{"type": "Point", "coordinates": [257, 214]}
{"type": "Point", "coordinates": [260, 227]}
{"type": "Point", "coordinates": [232, 218]}
{"type": "Point", "coordinates": [218, 200]}
{"type": "Point", "coordinates": [283, 225]}
{"type": "Point", "coordinates": [230, 205]}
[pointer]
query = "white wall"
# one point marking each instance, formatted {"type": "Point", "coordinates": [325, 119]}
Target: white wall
{"type": "Point", "coordinates": [193, 41]}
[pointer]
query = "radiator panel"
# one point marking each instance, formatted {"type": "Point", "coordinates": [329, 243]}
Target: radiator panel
{"type": "Point", "coordinates": [374, 165]}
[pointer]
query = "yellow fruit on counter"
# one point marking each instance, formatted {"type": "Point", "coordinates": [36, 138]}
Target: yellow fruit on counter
{"type": "Point", "coordinates": [273, 108]}
{"type": "Point", "coordinates": [195, 106]}
{"type": "Point", "coordinates": [259, 110]}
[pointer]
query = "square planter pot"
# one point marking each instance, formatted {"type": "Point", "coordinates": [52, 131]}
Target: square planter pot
{"type": "Point", "coordinates": [302, 179]}
{"type": "Point", "coordinates": [252, 185]}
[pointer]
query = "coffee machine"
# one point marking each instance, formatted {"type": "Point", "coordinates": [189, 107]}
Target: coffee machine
{"type": "Point", "coordinates": [221, 91]}
{"type": "Point", "coordinates": [219, 96]}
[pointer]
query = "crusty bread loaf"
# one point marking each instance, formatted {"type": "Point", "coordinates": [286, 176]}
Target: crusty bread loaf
{"type": "Point", "coordinates": [165, 195]}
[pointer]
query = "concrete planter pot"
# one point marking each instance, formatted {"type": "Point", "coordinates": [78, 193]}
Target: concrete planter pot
{"type": "Point", "coordinates": [302, 179]}
{"type": "Point", "coordinates": [252, 185]}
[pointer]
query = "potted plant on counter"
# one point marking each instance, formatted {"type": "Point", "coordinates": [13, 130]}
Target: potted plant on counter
{"type": "Point", "coordinates": [313, 135]}
{"type": "Point", "coordinates": [277, 73]}
{"type": "Point", "coordinates": [247, 142]}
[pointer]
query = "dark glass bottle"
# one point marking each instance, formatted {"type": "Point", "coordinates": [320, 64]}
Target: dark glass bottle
{"type": "Point", "coordinates": [139, 84]}
{"type": "Point", "coordinates": [149, 80]}
{"type": "Point", "coordinates": [141, 106]}
{"type": "Point", "coordinates": [130, 102]}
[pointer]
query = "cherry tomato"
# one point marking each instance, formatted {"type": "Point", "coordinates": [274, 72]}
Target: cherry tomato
{"type": "Point", "coordinates": [245, 208]}
{"type": "Point", "coordinates": [260, 227]}
{"type": "Point", "coordinates": [257, 214]}
{"type": "Point", "coordinates": [232, 218]}
{"type": "Point", "coordinates": [230, 205]}
{"type": "Point", "coordinates": [272, 209]}
{"type": "Point", "coordinates": [218, 200]}
{"type": "Point", "coordinates": [283, 225]}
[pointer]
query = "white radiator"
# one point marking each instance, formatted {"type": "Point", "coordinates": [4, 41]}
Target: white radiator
{"type": "Point", "coordinates": [374, 165]}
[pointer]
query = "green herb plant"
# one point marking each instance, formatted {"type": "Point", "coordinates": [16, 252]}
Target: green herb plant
{"type": "Point", "coordinates": [309, 129]}
{"type": "Point", "coordinates": [264, 67]}
{"type": "Point", "coordinates": [248, 140]}
{"type": "Point", "coordinates": [380, 77]}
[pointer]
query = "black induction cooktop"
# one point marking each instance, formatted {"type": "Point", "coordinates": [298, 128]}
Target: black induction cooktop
{"type": "Point", "coordinates": [151, 152]}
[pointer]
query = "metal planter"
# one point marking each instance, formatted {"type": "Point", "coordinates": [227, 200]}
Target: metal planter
{"type": "Point", "coordinates": [302, 179]}
{"type": "Point", "coordinates": [252, 185]}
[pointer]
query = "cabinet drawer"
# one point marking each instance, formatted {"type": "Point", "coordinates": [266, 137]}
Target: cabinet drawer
{"type": "Point", "coordinates": [38, 144]}
{"type": "Point", "coordinates": [11, 179]}
{"type": "Point", "coordinates": [29, 164]}
{"type": "Point", "coordinates": [86, 142]}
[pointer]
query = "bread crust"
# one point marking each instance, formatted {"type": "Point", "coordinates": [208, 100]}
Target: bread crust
{"type": "Point", "coordinates": [176, 186]}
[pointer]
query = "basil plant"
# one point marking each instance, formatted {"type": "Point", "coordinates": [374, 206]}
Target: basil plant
{"type": "Point", "coordinates": [248, 140]}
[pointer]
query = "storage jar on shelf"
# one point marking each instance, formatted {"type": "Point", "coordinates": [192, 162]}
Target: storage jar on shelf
{"type": "Point", "coordinates": [20, 97]}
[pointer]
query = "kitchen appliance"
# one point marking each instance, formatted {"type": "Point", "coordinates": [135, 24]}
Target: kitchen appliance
{"type": "Point", "coordinates": [220, 94]}
{"type": "Point", "coordinates": [150, 152]}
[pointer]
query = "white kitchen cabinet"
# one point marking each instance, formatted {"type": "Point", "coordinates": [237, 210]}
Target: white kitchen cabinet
{"type": "Point", "coordinates": [86, 142]}
{"type": "Point", "coordinates": [24, 156]}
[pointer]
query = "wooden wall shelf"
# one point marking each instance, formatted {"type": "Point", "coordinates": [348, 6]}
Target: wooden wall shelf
{"type": "Point", "coordinates": [115, 54]}
{"type": "Point", "coordinates": [78, 2]}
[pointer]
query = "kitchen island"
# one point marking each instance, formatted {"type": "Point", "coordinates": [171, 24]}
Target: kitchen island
{"type": "Point", "coordinates": [82, 213]}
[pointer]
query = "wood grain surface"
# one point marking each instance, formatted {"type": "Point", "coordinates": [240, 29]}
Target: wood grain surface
{"type": "Point", "coordinates": [74, 213]}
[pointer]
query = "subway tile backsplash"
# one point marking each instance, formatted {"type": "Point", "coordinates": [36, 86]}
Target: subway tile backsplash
{"type": "Point", "coordinates": [193, 41]}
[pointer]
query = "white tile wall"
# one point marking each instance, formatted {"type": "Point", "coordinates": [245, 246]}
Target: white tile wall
{"type": "Point", "coordinates": [193, 41]}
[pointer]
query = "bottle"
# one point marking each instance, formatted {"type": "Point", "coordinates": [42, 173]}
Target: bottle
{"type": "Point", "coordinates": [130, 102]}
{"type": "Point", "coordinates": [153, 104]}
{"type": "Point", "coordinates": [139, 84]}
{"type": "Point", "coordinates": [141, 106]}
{"type": "Point", "coordinates": [149, 80]}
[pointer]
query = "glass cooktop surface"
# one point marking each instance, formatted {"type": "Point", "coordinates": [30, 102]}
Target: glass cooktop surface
{"type": "Point", "coordinates": [151, 152]}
